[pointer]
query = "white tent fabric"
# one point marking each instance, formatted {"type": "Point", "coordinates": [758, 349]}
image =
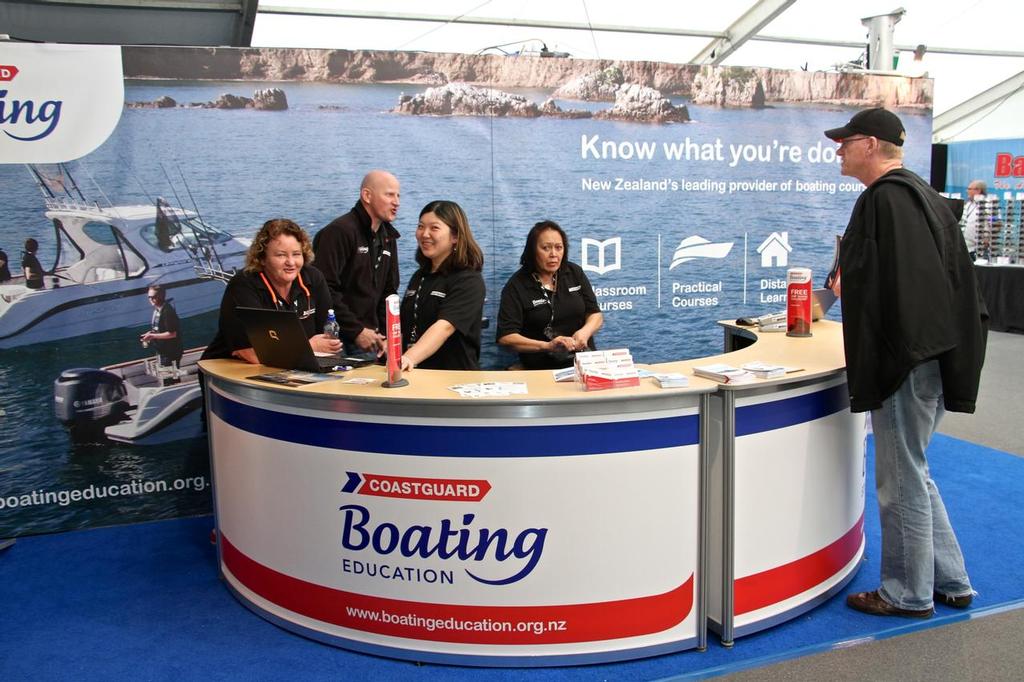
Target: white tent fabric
{"type": "Point", "coordinates": [973, 45]}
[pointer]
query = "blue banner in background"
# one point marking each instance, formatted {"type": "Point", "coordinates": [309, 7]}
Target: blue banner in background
{"type": "Point", "coordinates": [999, 163]}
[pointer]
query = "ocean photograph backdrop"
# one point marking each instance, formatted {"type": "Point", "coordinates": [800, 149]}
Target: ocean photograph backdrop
{"type": "Point", "coordinates": [678, 225]}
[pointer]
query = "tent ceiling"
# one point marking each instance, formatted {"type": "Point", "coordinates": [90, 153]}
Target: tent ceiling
{"type": "Point", "coordinates": [973, 45]}
{"type": "Point", "coordinates": [757, 16]}
{"type": "Point", "coordinates": [124, 22]}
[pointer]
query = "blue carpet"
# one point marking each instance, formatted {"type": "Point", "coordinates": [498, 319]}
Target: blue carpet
{"type": "Point", "coordinates": [144, 602]}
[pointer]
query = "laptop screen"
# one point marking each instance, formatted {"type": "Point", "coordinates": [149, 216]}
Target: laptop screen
{"type": "Point", "coordinates": [821, 301]}
{"type": "Point", "coordinates": [280, 341]}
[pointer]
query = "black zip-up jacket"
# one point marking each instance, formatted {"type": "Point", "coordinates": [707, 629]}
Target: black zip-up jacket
{"type": "Point", "coordinates": [909, 294]}
{"type": "Point", "coordinates": [308, 297]}
{"type": "Point", "coordinates": [346, 254]}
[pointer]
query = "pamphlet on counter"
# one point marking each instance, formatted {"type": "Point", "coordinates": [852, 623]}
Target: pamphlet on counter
{"type": "Point", "coordinates": [294, 377]}
{"type": "Point", "coordinates": [767, 370]}
{"type": "Point", "coordinates": [725, 374]}
{"type": "Point", "coordinates": [671, 380]}
{"type": "Point", "coordinates": [490, 389]}
{"type": "Point", "coordinates": [564, 374]}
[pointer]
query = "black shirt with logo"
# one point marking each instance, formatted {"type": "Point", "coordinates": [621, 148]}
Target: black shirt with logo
{"type": "Point", "coordinates": [361, 269]}
{"type": "Point", "coordinates": [248, 290]}
{"type": "Point", "coordinates": [457, 297]}
{"type": "Point", "coordinates": [528, 309]}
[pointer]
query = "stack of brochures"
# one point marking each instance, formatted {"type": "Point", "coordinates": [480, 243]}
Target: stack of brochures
{"type": "Point", "coordinates": [600, 369]}
{"type": "Point", "coordinates": [564, 374]}
{"type": "Point", "coordinates": [768, 370]}
{"type": "Point", "coordinates": [725, 374]}
{"type": "Point", "coordinates": [764, 370]}
{"type": "Point", "coordinates": [671, 380]}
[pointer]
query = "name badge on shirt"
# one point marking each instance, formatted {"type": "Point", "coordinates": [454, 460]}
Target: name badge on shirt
{"type": "Point", "coordinates": [439, 294]}
{"type": "Point", "coordinates": [575, 288]}
{"type": "Point", "coordinates": [364, 249]}
{"type": "Point", "coordinates": [385, 252]}
{"type": "Point", "coordinates": [307, 313]}
{"type": "Point", "coordinates": [539, 302]}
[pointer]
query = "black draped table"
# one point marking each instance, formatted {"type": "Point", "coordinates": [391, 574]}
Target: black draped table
{"type": "Point", "coordinates": [1002, 287]}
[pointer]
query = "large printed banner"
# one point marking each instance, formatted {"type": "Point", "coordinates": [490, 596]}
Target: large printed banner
{"type": "Point", "coordinates": [999, 163]}
{"type": "Point", "coordinates": [686, 192]}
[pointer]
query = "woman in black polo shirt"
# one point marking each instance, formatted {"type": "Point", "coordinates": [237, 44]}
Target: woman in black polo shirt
{"type": "Point", "coordinates": [444, 302]}
{"type": "Point", "coordinates": [548, 308]}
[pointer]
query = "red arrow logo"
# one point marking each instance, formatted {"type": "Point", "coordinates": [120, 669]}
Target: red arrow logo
{"type": "Point", "coordinates": [7, 72]}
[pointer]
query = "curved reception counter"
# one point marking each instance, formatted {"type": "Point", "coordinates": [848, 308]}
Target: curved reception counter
{"type": "Point", "coordinates": [548, 527]}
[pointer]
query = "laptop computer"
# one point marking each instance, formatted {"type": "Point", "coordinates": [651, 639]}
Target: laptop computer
{"type": "Point", "coordinates": [821, 301]}
{"type": "Point", "coordinates": [280, 341]}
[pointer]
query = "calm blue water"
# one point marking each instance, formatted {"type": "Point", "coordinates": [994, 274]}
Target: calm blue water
{"type": "Point", "coordinates": [244, 167]}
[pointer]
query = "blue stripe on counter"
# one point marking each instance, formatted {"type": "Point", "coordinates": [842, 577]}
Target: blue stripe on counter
{"type": "Point", "coordinates": [801, 409]}
{"type": "Point", "coordinates": [459, 441]}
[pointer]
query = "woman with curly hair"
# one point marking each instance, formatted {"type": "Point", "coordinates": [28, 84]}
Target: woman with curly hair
{"type": "Point", "coordinates": [277, 275]}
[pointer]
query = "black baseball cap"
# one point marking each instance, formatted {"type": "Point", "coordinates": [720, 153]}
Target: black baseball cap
{"type": "Point", "coordinates": [877, 122]}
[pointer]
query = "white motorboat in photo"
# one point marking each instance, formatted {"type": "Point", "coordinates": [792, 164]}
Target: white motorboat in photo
{"type": "Point", "coordinates": [136, 402]}
{"type": "Point", "coordinates": [106, 259]}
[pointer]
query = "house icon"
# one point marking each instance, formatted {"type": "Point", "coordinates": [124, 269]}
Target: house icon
{"type": "Point", "coordinates": [775, 250]}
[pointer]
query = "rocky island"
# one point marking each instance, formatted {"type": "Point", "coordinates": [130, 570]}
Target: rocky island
{"type": "Point", "coordinates": [632, 103]}
{"type": "Point", "coordinates": [267, 99]}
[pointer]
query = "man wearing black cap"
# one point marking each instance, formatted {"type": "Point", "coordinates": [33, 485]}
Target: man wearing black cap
{"type": "Point", "coordinates": [914, 333]}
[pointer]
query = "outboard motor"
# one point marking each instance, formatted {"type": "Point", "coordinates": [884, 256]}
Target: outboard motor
{"type": "Point", "coordinates": [88, 400]}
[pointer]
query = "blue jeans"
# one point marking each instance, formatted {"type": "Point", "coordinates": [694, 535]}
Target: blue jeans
{"type": "Point", "coordinates": [351, 350]}
{"type": "Point", "coordinates": [919, 549]}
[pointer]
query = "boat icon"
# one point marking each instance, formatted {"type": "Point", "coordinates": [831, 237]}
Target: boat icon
{"type": "Point", "coordinates": [107, 256]}
{"type": "Point", "coordinates": [696, 247]}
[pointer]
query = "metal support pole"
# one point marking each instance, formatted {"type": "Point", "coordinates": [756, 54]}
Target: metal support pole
{"type": "Point", "coordinates": [728, 511]}
{"type": "Point", "coordinates": [880, 39]}
{"type": "Point", "coordinates": [702, 523]}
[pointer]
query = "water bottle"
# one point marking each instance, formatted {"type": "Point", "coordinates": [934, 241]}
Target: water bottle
{"type": "Point", "coordinates": [331, 328]}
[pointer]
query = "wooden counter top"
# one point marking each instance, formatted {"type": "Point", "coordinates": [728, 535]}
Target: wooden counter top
{"type": "Point", "coordinates": [817, 355]}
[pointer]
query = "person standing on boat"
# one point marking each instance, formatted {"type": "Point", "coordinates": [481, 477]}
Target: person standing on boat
{"type": "Point", "coordinates": [358, 255]}
{"type": "Point", "coordinates": [164, 335]}
{"type": "Point", "coordinates": [30, 265]}
{"type": "Point", "coordinates": [5, 271]}
{"type": "Point", "coordinates": [277, 276]}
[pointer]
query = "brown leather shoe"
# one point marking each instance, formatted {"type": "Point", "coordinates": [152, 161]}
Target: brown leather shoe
{"type": "Point", "coordinates": [871, 602]}
{"type": "Point", "coordinates": [956, 602]}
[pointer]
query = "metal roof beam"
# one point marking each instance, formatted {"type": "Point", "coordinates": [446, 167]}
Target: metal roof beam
{"type": "Point", "coordinates": [748, 25]}
{"type": "Point", "coordinates": [483, 21]}
{"type": "Point", "coordinates": [943, 123]}
{"type": "Point", "coordinates": [601, 28]}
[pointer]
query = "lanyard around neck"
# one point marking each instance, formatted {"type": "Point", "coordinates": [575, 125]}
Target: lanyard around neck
{"type": "Point", "coordinates": [416, 308]}
{"type": "Point", "coordinates": [273, 293]}
{"type": "Point", "coordinates": [549, 296]}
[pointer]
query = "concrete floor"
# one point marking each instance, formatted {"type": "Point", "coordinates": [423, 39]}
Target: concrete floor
{"type": "Point", "coordinates": [985, 649]}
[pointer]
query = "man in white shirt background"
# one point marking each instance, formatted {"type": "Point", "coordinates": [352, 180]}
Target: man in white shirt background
{"type": "Point", "coordinates": [976, 190]}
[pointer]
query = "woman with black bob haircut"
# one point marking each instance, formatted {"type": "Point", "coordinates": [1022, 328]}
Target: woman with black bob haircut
{"type": "Point", "coordinates": [444, 302]}
{"type": "Point", "coordinates": [548, 308]}
{"type": "Point", "coordinates": [277, 275]}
